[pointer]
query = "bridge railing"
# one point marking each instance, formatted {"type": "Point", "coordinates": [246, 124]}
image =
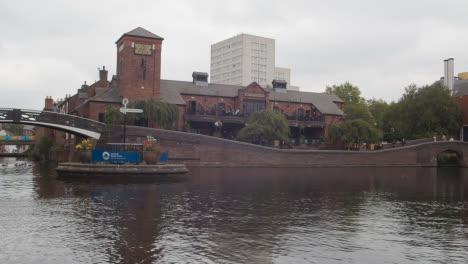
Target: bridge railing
{"type": "Point", "coordinates": [71, 123]}
{"type": "Point", "coordinates": [408, 143]}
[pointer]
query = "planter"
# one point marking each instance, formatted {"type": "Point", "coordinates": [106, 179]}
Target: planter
{"type": "Point", "coordinates": [85, 156]}
{"type": "Point", "coordinates": [150, 157]}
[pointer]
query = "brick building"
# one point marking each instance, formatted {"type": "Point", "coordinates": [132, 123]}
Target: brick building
{"type": "Point", "coordinates": [201, 104]}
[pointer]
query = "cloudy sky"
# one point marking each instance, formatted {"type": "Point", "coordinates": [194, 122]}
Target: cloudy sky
{"type": "Point", "coordinates": [50, 47]}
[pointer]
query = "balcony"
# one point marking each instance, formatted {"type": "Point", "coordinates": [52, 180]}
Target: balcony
{"type": "Point", "coordinates": [200, 118]}
{"type": "Point", "coordinates": [306, 121]}
{"type": "Point", "coordinates": [208, 117]}
{"type": "Point", "coordinates": [225, 119]}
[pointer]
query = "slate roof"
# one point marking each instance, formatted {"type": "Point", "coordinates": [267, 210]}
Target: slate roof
{"type": "Point", "coordinates": [460, 87]}
{"type": "Point", "coordinates": [107, 95]}
{"type": "Point", "coordinates": [140, 32]}
{"type": "Point", "coordinates": [325, 103]}
{"type": "Point", "coordinates": [103, 95]}
{"type": "Point", "coordinates": [171, 93]}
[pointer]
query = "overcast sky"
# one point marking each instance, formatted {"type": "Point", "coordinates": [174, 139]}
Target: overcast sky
{"type": "Point", "coordinates": [51, 47]}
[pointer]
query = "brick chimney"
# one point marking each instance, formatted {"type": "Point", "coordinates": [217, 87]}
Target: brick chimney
{"type": "Point", "coordinates": [103, 74]}
{"type": "Point", "coordinates": [49, 103]}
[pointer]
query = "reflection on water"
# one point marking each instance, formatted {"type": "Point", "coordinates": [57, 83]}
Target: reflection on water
{"type": "Point", "coordinates": [345, 215]}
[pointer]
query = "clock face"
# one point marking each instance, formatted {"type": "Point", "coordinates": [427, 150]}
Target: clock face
{"type": "Point", "coordinates": [143, 49]}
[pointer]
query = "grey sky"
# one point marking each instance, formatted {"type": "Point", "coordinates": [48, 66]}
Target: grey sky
{"type": "Point", "coordinates": [51, 47]}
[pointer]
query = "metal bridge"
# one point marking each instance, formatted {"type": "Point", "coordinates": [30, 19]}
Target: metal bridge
{"type": "Point", "coordinates": [68, 123]}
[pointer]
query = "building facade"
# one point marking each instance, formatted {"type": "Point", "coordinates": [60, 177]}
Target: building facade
{"type": "Point", "coordinates": [244, 59]}
{"type": "Point", "coordinates": [207, 108]}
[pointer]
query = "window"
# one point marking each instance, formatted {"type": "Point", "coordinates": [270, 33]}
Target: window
{"type": "Point", "coordinates": [101, 117]}
{"type": "Point", "coordinates": [301, 114]}
{"type": "Point", "coordinates": [222, 109]}
{"type": "Point", "coordinates": [141, 69]}
{"type": "Point", "coordinates": [192, 107]}
{"type": "Point", "coordinates": [252, 106]}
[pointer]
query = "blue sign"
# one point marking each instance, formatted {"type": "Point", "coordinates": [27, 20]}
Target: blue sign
{"type": "Point", "coordinates": [99, 155]}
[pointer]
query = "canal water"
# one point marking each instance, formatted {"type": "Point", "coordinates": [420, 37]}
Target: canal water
{"type": "Point", "coordinates": [233, 215]}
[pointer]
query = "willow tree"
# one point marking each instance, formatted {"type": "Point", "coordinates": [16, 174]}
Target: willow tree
{"type": "Point", "coordinates": [266, 126]}
{"type": "Point", "coordinates": [354, 131]}
{"type": "Point", "coordinates": [156, 111]}
{"type": "Point", "coordinates": [113, 116]}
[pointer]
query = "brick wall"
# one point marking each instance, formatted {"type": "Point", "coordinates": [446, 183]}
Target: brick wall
{"type": "Point", "coordinates": [463, 102]}
{"type": "Point", "coordinates": [129, 69]}
{"type": "Point", "coordinates": [189, 147]}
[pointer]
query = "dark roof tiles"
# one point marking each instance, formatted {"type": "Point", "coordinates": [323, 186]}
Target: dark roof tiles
{"type": "Point", "coordinates": [171, 92]}
{"type": "Point", "coordinates": [140, 32]}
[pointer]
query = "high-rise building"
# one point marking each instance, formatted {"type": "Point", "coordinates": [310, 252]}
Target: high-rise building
{"type": "Point", "coordinates": [244, 59]}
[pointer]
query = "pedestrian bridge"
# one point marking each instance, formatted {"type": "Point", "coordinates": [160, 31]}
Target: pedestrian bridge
{"type": "Point", "coordinates": [69, 123]}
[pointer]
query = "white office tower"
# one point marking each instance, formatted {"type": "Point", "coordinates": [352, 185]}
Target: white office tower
{"type": "Point", "coordinates": [244, 59]}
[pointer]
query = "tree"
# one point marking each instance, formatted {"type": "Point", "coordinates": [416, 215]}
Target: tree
{"type": "Point", "coordinates": [378, 109]}
{"type": "Point", "coordinates": [113, 116]}
{"type": "Point", "coordinates": [358, 111]}
{"type": "Point", "coordinates": [355, 106]}
{"type": "Point", "coordinates": [422, 113]}
{"type": "Point", "coordinates": [159, 112]}
{"type": "Point", "coordinates": [266, 125]}
{"type": "Point", "coordinates": [354, 131]}
{"type": "Point", "coordinates": [349, 93]}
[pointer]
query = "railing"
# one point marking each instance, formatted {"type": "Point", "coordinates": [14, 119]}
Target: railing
{"type": "Point", "coordinates": [79, 125]}
{"type": "Point", "coordinates": [306, 121]}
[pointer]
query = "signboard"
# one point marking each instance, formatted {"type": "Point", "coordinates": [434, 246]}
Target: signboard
{"type": "Point", "coordinates": [254, 95]}
{"type": "Point", "coordinates": [124, 110]}
{"type": "Point", "coordinates": [99, 155]}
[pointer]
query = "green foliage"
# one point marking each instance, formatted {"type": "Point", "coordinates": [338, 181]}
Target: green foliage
{"type": "Point", "coordinates": [15, 129]}
{"type": "Point", "coordinates": [358, 111]}
{"type": "Point", "coordinates": [113, 116]}
{"type": "Point", "coordinates": [423, 113]}
{"type": "Point", "coordinates": [42, 149]}
{"type": "Point", "coordinates": [266, 126]}
{"type": "Point", "coordinates": [378, 110]}
{"type": "Point", "coordinates": [161, 113]}
{"type": "Point", "coordinates": [355, 106]}
{"type": "Point", "coordinates": [349, 93]}
{"type": "Point", "coordinates": [351, 131]}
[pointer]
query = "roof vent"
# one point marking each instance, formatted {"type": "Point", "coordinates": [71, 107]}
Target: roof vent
{"type": "Point", "coordinates": [200, 78]}
{"type": "Point", "coordinates": [280, 86]}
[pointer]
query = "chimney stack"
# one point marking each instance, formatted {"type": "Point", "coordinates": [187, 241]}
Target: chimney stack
{"type": "Point", "coordinates": [446, 73]}
{"type": "Point", "coordinates": [103, 74]}
{"type": "Point", "coordinates": [449, 80]}
{"type": "Point", "coordinates": [49, 103]}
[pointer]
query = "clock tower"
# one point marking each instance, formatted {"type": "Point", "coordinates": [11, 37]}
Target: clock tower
{"type": "Point", "coordinates": [139, 64]}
